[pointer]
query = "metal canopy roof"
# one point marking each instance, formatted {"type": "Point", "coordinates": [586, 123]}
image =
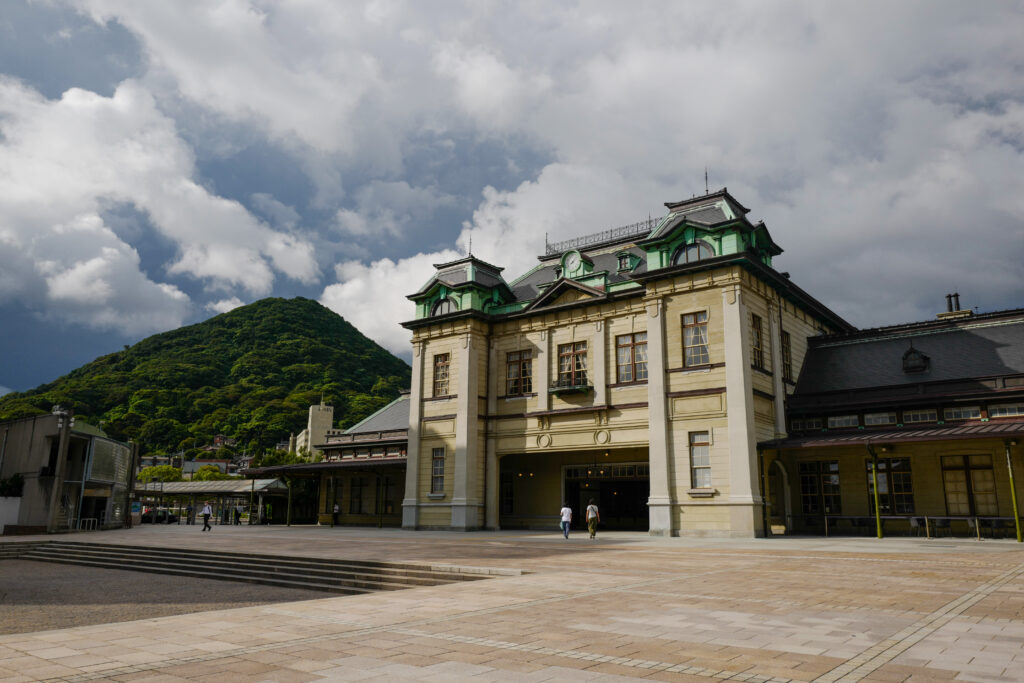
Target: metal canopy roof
{"type": "Point", "coordinates": [214, 487]}
{"type": "Point", "coordinates": [874, 437]}
{"type": "Point", "coordinates": [327, 465]}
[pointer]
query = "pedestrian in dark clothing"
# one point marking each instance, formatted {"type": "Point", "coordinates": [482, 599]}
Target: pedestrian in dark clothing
{"type": "Point", "coordinates": [207, 511]}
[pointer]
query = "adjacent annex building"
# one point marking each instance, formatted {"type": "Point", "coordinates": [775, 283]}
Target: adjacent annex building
{"type": "Point", "coordinates": [916, 425]}
{"type": "Point", "coordinates": [639, 367]}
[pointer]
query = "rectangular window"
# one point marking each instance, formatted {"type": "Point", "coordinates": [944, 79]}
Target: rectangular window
{"type": "Point", "coordinates": [895, 491]}
{"type": "Point", "coordinates": [787, 358]}
{"type": "Point", "coordinates": [920, 415]}
{"type": "Point", "coordinates": [389, 489]}
{"type": "Point", "coordinates": [819, 488]}
{"type": "Point", "coordinates": [507, 484]}
{"type": "Point", "coordinates": [840, 421]}
{"type": "Point", "coordinates": [631, 357]}
{"type": "Point", "coordinates": [756, 342]}
{"type": "Point", "coordinates": [695, 339]}
{"type": "Point", "coordinates": [519, 375]}
{"type": "Point", "coordinates": [970, 485]}
{"type": "Point", "coordinates": [808, 423]}
{"type": "Point", "coordinates": [572, 364]}
{"type": "Point", "coordinates": [700, 460]}
{"type": "Point", "coordinates": [1006, 410]}
{"type": "Point", "coordinates": [875, 419]}
{"type": "Point", "coordinates": [442, 362]}
{"type": "Point", "coordinates": [357, 501]}
{"type": "Point", "coordinates": [962, 413]}
{"type": "Point", "coordinates": [437, 470]}
{"type": "Point", "coordinates": [624, 262]}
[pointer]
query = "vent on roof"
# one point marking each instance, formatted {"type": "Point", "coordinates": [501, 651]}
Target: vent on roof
{"type": "Point", "coordinates": [915, 361]}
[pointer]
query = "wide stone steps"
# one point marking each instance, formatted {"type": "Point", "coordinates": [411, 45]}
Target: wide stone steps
{"type": "Point", "coordinates": [328, 575]}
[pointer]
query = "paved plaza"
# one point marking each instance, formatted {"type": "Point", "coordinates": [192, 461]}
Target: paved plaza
{"type": "Point", "coordinates": [625, 606]}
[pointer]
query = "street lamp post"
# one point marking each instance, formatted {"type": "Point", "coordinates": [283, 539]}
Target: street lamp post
{"type": "Point", "coordinates": [64, 423]}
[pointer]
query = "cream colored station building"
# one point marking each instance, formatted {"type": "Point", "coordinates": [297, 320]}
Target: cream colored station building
{"type": "Point", "coordinates": [639, 367]}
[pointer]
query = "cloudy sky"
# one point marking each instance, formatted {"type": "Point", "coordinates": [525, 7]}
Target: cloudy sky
{"type": "Point", "coordinates": [161, 162]}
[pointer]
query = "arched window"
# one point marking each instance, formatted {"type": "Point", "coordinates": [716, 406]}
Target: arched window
{"type": "Point", "coordinates": [695, 251]}
{"type": "Point", "coordinates": [444, 306]}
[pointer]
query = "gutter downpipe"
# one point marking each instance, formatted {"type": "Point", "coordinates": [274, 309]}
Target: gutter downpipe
{"type": "Point", "coordinates": [1013, 489]}
{"type": "Point", "coordinates": [874, 479]}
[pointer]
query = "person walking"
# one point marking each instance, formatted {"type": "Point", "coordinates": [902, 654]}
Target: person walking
{"type": "Point", "coordinates": [566, 513]}
{"type": "Point", "coordinates": [207, 511]}
{"type": "Point", "coordinates": [593, 517]}
{"type": "Point", "coordinates": [334, 515]}
{"type": "Point", "coordinates": [238, 514]}
{"type": "Point", "coordinates": [190, 514]}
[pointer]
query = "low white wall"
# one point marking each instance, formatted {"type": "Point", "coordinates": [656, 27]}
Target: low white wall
{"type": "Point", "coordinates": [9, 509]}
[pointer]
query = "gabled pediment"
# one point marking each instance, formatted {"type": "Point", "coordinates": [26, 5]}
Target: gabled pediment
{"type": "Point", "coordinates": [565, 292]}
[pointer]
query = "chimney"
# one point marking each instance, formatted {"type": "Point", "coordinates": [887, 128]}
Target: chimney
{"type": "Point", "coordinates": [953, 308]}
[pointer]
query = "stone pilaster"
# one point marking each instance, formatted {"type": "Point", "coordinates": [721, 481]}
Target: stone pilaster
{"type": "Point", "coordinates": [743, 497]}
{"type": "Point", "coordinates": [778, 385]}
{"type": "Point", "coordinates": [659, 505]}
{"type": "Point", "coordinates": [410, 504]}
{"type": "Point", "coordinates": [465, 496]}
{"type": "Point", "coordinates": [491, 471]}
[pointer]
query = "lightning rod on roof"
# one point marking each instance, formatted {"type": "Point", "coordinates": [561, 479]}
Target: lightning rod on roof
{"type": "Point", "coordinates": [706, 190]}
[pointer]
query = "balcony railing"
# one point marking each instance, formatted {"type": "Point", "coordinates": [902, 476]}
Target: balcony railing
{"type": "Point", "coordinates": [631, 230]}
{"type": "Point", "coordinates": [573, 385]}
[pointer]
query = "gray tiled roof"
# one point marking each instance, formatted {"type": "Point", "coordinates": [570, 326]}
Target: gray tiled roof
{"type": "Point", "coordinates": [393, 416]}
{"type": "Point", "coordinates": [707, 214]}
{"type": "Point", "coordinates": [529, 287]}
{"type": "Point", "coordinates": [962, 352]}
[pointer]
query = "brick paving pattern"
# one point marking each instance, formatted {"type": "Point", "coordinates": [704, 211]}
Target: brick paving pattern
{"type": "Point", "coordinates": [626, 607]}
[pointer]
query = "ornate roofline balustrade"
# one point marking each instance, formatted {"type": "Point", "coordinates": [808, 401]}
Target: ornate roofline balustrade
{"type": "Point", "coordinates": [633, 229]}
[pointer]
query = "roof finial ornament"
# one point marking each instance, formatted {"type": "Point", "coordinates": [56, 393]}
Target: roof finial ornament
{"type": "Point", "coordinates": [706, 190]}
{"type": "Point", "coordinates": [470, 243]}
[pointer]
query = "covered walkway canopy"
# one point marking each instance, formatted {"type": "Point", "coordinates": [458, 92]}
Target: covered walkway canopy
{"type": "Point", "coordinates": [879, 437]}
{"type": "Point", "coordinates": [225, 492]}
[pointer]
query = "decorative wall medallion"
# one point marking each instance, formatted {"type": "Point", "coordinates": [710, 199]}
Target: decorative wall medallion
{"type": "Point", "coordinates": [544, 440]}
{"type": "Point", "coordinates": [602, 436]}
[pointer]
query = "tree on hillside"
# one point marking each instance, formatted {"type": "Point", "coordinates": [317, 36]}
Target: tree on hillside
{"type": "Point", "coordinates": [159, 473]}
{"type": "Point", "coordinates": [272, 458]}
{"type": "Point", "coordinates": [210, 473]}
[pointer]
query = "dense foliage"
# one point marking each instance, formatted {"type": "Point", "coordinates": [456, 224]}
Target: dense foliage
{"type": "Point", "coordinates": [249, 374]}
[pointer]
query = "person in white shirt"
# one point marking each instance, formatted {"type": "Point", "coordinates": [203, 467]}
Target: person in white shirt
{"type": "Point", "coordinates": [593, 517]}
{"type": "Point", "coordinates": [566, 513]}
{"type": "Point", "coordinates": [207, 511]}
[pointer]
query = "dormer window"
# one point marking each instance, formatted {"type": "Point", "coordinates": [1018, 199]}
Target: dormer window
{"type": "Point", "coordinates": [697, 250]}
{"type": "Point", "coordinates": [444, 306]}
{"type": "Point", "coordinates": [915, 361]}
{"type": "Point", "coordinates": [625, 262]}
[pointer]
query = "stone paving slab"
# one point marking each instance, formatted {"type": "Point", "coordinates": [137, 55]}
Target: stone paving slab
{"type": "Point", "coordinates": [624, 607]}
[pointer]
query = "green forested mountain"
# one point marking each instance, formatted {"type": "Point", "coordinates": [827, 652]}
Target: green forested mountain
{"type": "Point", "coordinates": [251, 374]}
